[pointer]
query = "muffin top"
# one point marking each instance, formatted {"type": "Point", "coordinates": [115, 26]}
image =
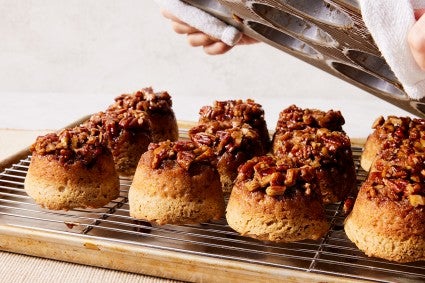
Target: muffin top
{"type": "Point", "coordinates": [277, 177]}
{"type": "Point", "coordinates": [399, 174]}
{"type": "Point", "coordinates": [227, 136]}
{"type": "Point", "coordinates": [78, 144]}
{"type": "Point", "coordinates": [114, 121]}
{"type": "Point", "coordinates": [145, 100]}
{"type": "Point", "coordinates": [391, 132]}
{"type": "Point", "coordinates": [246, 111]}
{"type": "Point", "coordinates": [184, 153]}
{"type": "Point", "coordinates": [120, 125]}
{"type": "Point", "coordinates": [315, 147]}
{"type": "Point", "coordinates": [295, 118]}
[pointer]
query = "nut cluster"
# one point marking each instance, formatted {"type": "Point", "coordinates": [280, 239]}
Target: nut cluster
{"type": "Point", "coordinates": [393, 130]}
{"type": "Point", "coordinates": [247, 111]}
{"type": "Point", "coordinates": [185, 153]}
{"type": "Point", "coordinates": [238, 111]}
{"type": "Point", "coordinates": [295, 118]}
{"type": "Point", "coordinates": [120, 119]}
{"type": "Point", "coordinates": [145, 100]}
{"type": "Point", "coordinates": [71, 145]}
{"type": "Point", "coordinates": [314, 147]}
{"type": "Point", "coordinates": [119, 125]}
{"type": "Point", "coordinates": [227, 136]}
{"type": "Point", "coordinates": [276, 177]}
{"type": "Point", "coordinates": [399, 172]}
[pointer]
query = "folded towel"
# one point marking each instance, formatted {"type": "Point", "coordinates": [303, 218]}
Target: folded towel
{"type": "Point", "coordinates": [202, 21]}
{"type": "Point", "coordinates": [389, 22]}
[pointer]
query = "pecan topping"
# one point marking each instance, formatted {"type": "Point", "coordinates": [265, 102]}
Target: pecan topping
{"type": "Point", "coordinates": [314, 147]}
{"type": "Point", "coordinates": [295, 118]}
{"type": "Point", "coordinates": [277, 177]}
{"type": "Point", "coordinates": [247, 111]}
{"type": "Point", "coordinates": [145, 100]}
{"type": "Point", "coordinates": [71, 145]}
{"type": "Point", "coordinates": [241, 112]}
{"type": "Point", "coordinates": [399, 174]}
{"type": "Point", "coordinates": [227, 136]}
{"type": "Point", "coordinates": [185, 153]}
{"type": "Point", "coordinates": [120, 125]}
{"type": "Point", "coordinates": [392, 131]}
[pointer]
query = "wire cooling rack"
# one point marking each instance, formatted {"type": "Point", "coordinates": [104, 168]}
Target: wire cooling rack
{"type": "Point", "coordinates": [332, 255]}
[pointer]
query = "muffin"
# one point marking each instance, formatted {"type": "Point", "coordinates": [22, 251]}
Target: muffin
{"type": "Point", "coordinates": [315, 138]}
{"type": "Point", "coordinates": [158, 107]}
{"type": "Point", "coordinates": [72, 169]}
{"type": "Point", "coordinates": [274, 201]}
{"type": "Point", "coordinates": [127, 133]}
{"type": "Point", "coordinates": [388, 217]}
{"type": "Point", "coordinates": [176, 183]}
{"type": "Point", "coordinates": [248, 112]}
{"type": "Point", "coordinates": [232, 142]}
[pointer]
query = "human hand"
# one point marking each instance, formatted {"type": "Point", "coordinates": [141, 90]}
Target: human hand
{"type": "Point", "coordinates": [416, 38]}
{"type": "Point", "coordinates": [196, 38]}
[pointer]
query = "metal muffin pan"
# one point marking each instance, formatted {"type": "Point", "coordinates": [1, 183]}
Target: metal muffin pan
{"type": "Point", "coordinates": [329, 34]}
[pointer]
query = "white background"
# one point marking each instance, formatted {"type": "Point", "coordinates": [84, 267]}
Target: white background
{"type": "Point", "coordinates": [61, 60]}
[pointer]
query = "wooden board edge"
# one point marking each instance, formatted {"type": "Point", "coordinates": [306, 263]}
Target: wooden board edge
{"type": "Point", "coordinates": [104, 253]}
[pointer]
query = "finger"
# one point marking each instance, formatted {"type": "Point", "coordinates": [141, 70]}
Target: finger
{"type": "Point", "coordinates": [183, 28]}
{"type": "Point", "coordinates": [167, 14]}
{"type": "Point", "coordinates": [217, 48]}
{"type": "Point", "coordinates": [419, 13]}
{"type": "Point", "coordinates": [200, 39]}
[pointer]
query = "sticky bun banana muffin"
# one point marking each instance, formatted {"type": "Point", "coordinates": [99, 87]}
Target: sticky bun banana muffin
{"type": "Point", "coordinates": [247, 111]}
{"type": "Point", "coordinates": [316, 138]}
{"type": "Point", "coordinates": [274, 201]}
{"type": "Point", "coordinates": [393, 129]}
{"type": "Point", "coordinates": [72, 169]}
{"type": "Point", "coordinates": [127, 133]}
{"type": "Point", "coordinates": [232, 142]}
{"type": "Point", "coordinates": [158, 106]}
{"type": "Point", "coordinates": [388, 217]}
{"type": "Point", "coordinates": [176, 183]}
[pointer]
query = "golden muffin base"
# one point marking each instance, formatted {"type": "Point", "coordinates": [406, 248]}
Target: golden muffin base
{"type": "Point", "coordinates": [257, 215]}
{"type": "Point", "coordinates": [386, 229]}
{"type": "Point", "coordinates": [173, 195]}
{"type": "Point", "coordinates": [58, 186]}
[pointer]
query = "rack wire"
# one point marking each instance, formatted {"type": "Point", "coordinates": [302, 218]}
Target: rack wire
{"type": "Point", "coordinates": [333, 254]}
